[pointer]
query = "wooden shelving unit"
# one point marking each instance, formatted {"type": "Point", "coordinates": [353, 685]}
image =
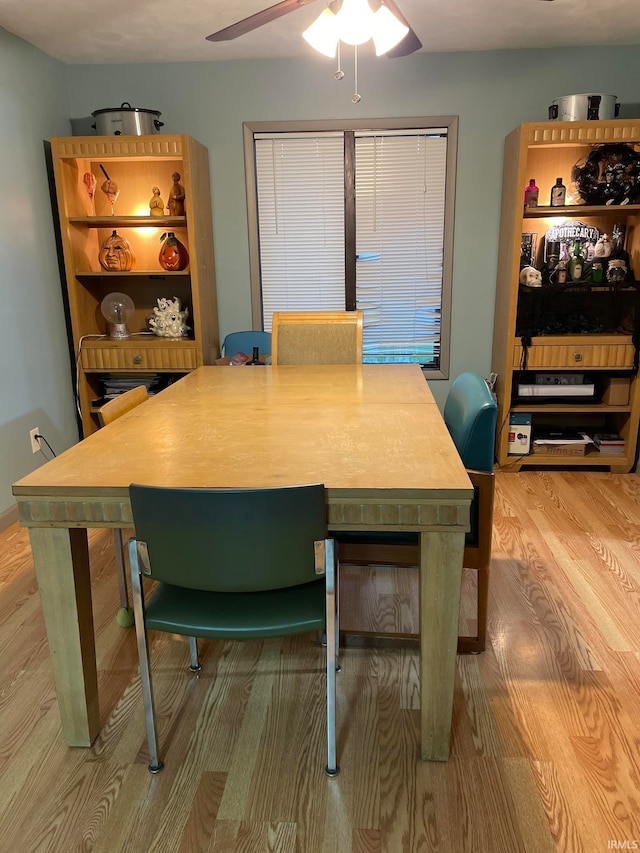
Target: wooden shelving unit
{"type": "Point", "coordinates": [136, 164]}
{"type": "Point", "coordinates": [544, 151]}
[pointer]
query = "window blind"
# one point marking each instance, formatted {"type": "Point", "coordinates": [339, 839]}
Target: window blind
{"type": "Point", "coordinates": [400, 201]}
{"type": "Point", "coordinates": [300, 195]}
{"type": "Point", "coordinates": [399, 233]}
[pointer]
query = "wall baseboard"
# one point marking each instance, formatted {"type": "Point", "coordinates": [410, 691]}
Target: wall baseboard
{"type": "Point", "coordinates": [8, 517]}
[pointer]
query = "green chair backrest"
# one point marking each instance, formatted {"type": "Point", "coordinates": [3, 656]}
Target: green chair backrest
{"type": "Point", "coordinates": [470, 413]}
{"type": "Point", "coordinates": [245, 342]}
{"type": "Point", "coordinates": [230, 540]}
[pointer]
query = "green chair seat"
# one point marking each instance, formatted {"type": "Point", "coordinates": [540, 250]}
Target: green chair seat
{"type": "Point", "coordinates": [237, 616]}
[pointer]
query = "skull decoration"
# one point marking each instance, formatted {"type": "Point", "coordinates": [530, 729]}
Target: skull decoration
{"type": "Point", "coordinates": [168, 320]}
{"type": "Point", "coordinates": [530, 277]}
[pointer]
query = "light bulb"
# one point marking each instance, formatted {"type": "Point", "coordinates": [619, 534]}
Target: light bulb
{"type": "Point", "coordinates": [117, 309]}
{"type": "Point", "coordinates": [388, 31]}
{"type": "Point", "coordinates": [355, 21]}
{"type": "Point", "coordinates": [322, 35]}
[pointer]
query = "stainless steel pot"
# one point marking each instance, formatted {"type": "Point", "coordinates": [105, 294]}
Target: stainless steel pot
{"type": "Point", "coordinates": [126, 121]}
{"type": "Point", "coordinates": [584, 107]}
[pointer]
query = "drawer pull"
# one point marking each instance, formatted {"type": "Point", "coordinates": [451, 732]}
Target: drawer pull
{"type": "Point", "coordinates": [137, 359]}
{"type": "Point", "coordinates": [577, 356]}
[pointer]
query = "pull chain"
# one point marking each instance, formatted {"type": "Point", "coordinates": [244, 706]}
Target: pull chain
{"type": "Point", "coordinates": [356, 97]}
{"type": "Point", "coordinates": [339, 73]}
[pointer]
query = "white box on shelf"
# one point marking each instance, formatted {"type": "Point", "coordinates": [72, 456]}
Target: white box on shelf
{"type": "Point", "coordinates": [529, 390]}
{"type": "Point", "coordinates": [519, 433]}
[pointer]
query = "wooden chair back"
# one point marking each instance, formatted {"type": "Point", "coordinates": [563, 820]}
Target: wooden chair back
{"type": "Point", "coordinates": [316, 337]}
{"type": "Point", "coordinates": [122, 404]}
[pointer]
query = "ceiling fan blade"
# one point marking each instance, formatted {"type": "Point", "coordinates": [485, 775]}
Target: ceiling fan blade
{"type": "Point", "coordinates": [410, 43]}
{"type": "Point", "coordinates": [258, 20]}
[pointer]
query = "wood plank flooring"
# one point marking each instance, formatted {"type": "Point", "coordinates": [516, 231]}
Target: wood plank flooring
{"type": "Point", "coordinates": [546, 733]}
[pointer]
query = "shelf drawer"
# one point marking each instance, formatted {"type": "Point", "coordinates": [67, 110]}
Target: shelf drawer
{"type": "Point", "coordinates": [144, 358]}
{"type": "Point", "coordinates": [576, 356]}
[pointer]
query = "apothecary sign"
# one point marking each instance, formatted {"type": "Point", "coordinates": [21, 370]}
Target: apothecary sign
{"type": "Point", "coordinates": [559, 239]}
{"type": "Point", "coordinates": [571, 232]}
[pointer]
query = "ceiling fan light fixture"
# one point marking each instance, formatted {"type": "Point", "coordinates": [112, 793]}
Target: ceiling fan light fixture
{"type": "Point", "coordinates": [388, 31]}
{"type": "Point", "coordinates": [355, 21]}
{"type": "Point", "coordinates": [322, 35]}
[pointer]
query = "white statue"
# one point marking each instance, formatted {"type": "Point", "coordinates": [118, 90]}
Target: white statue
{"type": "Point", "coordinates": [531, 277]}
{"type": "Point", "coordinates": [603, 247]}
{"type": "Point", "coordinates": [168, 320]}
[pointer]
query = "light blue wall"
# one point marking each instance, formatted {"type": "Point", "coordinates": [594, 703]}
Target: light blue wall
{"type": "Point", "coordinates": [490, 92]}
{"type": "Point", "coordinates": [35, 374]}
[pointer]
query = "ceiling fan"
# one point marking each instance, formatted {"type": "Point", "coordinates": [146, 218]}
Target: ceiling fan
{"type": "Point", "coordinates": [409, 44]}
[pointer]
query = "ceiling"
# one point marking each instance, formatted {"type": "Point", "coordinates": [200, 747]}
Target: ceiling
{"type": "Point", "coordinates": [132, 31]}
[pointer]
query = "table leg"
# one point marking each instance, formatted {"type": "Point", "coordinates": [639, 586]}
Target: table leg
{"type": "Point", "coordinates": [441, 556]}
{"type": "Point", "coordinates": [61, 559]}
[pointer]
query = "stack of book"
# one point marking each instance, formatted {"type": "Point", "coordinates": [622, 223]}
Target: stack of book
{"type": "Point", "coordinates": [609, 442]}
{"type": "Point", "coordinates": [113, 385]}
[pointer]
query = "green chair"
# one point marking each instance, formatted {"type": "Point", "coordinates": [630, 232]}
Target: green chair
{"type": "Point", "coordinates": [245, 342]}
{"type": "Point", "coordinates": [470, 414]}
{"type": "Point", "coordinates": [233, 564]}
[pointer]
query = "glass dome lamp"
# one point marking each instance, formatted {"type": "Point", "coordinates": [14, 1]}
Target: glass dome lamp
{"type": "Point", "coordinates": [117, 309]}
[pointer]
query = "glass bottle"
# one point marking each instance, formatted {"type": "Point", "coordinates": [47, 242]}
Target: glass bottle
{"type": "Point", "coordinates": [558, 193]}
{"type": "Point", "coordinates": [561, 273]}
{"type": "Point", "coordinates": [531, 194]}
{"type": "Point", "coordinates": [576, 262]}
{"type": "Point", "coordinates": [596, 272]}
{"type": "Point", "coordinates": [255, 358]}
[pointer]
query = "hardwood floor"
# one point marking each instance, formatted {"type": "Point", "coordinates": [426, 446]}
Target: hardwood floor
{"type": "Point", "coordinates": [546, 733]}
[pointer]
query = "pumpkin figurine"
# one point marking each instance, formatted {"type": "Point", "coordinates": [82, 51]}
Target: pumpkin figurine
{"type": "Point", "coordinates": [116, 254]}
{"type": "Point", "coordinates": [173, 254]}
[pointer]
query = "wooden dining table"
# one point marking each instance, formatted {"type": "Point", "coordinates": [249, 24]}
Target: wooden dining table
{"type": "Point", "coordinates": [372, 434]}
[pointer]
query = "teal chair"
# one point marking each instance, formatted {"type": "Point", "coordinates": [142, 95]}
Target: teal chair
{"type": "Point", "coordinates": [470, 413]}
{"type": "Point", "coordinates": [245, 342]}
{"type": "Point", "coordinates": [233, 564]}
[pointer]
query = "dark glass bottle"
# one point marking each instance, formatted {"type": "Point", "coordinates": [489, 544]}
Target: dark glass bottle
{"type": "Point", "coordinates": [255, 358]}
{"type": "Point", "coordinates": [576, 262]}
{"type": "Point", "coordinates": [558, 193]}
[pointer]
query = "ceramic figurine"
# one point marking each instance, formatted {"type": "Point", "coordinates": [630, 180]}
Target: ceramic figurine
{"type": "Point", "coordinates": [530, 277]}
{"type": "Point", "coordinates": [90, 183]}
{"type": "Point", "coordinates": [156, 205]}
{"type": "Point", "coordinates": [176, 196]}
{"type": "Point", "coordinates": [603, 247]}
{"type": "Point", "coordinates": [173, 254]}
{"type": "Point", "coordinates": [116, 254]}
{"type": "Point", "coordinates": [168, 320]}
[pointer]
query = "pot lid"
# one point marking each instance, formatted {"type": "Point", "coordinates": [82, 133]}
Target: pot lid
{"type": "Point", "coordinates": [125, 108]}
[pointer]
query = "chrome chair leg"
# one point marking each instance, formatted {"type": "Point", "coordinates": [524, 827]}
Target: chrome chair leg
{"type": "Point", "coordinates": [155, 765]}
{"type": "Point", "coordinates": [120, 567]}
{"type": "Point", "coordinates": [332, 768]}
{"type": "Point", "coordinates": [195, 665]}
{"type": "Point", "coordinates": [124, 617]}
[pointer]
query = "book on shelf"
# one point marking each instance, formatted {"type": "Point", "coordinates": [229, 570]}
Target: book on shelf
{"type": "Point", "coordinates": [560, 442]}
{"type": "Point", "coordinates": [608, 442]}
{"type": "Point", "coordinates": [553, 435]}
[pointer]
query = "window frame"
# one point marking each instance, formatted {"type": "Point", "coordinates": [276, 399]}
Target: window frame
{"type": "Point", "coordinates": [341, 125]}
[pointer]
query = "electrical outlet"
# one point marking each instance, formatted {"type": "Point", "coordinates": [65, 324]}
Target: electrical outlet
{"type": "Point", "coordinates": [35, 442]}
